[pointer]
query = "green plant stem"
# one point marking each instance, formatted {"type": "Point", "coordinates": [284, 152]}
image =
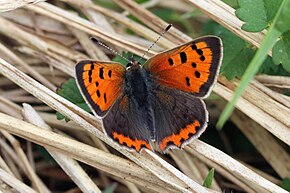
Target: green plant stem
{"type": "Point", "coordinates": [268, 42]}
{"type": "Point", "coordinates": [266, 45]}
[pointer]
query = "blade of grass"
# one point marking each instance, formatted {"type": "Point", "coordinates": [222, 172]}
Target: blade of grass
{"type": "Point", "coordinates": [237, 169]}
{"type": "Point", "coordinates": [14, 182]}
{"type": "Point", "coordinates": [209, 178]}
{"type": "Point", "coordinates": [14, 4]}
{"type": "Point", "coordinates": [266, 45]}
{"type": "Point", "coordinates": [70, 166]}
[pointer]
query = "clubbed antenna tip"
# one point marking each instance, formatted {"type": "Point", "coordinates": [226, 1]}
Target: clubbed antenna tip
{"type": "Point", "coordinates": [168, 27]}
{"type": "Point", "coordinates": [94, 40]}
{"type": "Point", "coordinates": [160, 36]}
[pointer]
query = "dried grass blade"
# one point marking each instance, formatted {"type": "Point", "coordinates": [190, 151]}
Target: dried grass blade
{"type": "Point", "coordinates": [86, 26]}
{"type": "Point", "coordinates": [265, 143]}
{"type": "Point", "coordinates": [134, 26]}
{"type": "Point", "coordinates": [36, 181]}
{"type": "Point", "coordinates": [233, 166]}
{"type": "Point", "coordinates": [5, 167]}
{"type": "Point", "coordinates": [8, 5]}
{"type": "Point", "coordinates": [274, 126]}
{"type": "Point", "coordinates": [22, 63]}
{"type": "Point", "coordinates": [15, 183]}
{"type": "Point", "coordinates": [152, 21]}
{"type": "Point", "coordinates": [70, 166]}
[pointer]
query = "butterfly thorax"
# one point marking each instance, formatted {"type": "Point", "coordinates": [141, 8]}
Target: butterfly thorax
{"type": "Point", "coordinates": [138, 90]}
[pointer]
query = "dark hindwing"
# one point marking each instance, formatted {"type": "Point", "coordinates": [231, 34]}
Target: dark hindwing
{"type": "Point", "coordinates": [124, 123]}
{"type": "Point", "coordinates": [179, 117]}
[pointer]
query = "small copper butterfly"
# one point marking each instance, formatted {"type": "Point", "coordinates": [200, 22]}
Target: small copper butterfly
{"type": "Point", "coordinates": [160, 101]}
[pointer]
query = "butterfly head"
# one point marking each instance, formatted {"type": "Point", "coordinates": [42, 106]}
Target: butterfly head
{"type": "Point", "coordinates": [133, 65]}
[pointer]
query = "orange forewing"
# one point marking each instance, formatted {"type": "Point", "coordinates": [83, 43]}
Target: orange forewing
{"type": "Point", "coordinates": [101, 83]}
{"type": "Point", "coordinates": [192, 67]}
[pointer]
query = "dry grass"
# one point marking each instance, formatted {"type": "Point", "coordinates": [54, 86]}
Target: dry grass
{"type": "Point", "coordinates": [43, 41]}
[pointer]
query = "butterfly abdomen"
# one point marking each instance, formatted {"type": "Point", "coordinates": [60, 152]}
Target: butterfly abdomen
{"type": "Point", "coordinates": [137, 89]}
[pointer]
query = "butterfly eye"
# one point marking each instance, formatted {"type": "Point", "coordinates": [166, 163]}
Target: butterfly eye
{"type": "Point", "coordinates": [129, 65]}
{"type": "Point", "coordinates": [134, 65]}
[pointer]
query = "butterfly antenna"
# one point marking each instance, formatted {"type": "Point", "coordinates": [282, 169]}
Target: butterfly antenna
{"type": "Point", "coordinates": [160, 36]}
{"type": "Point", "coordinates": [108, 48]}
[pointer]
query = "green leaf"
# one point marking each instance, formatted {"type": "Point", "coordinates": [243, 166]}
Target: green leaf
{"type": "Point", "coordinates": [209, 178]}
{"type": "Point", "coordinates": [111, 188]}
{"type": "Point", "coordinates": [127, 55]}
{"type": "Point", "coordinates": [286, 184]}
{"type": "Point", "coordinates": [267, 44]}
{"type": "Point", "coordinates": [44, 153]}
{"type": "Point", "coordinates": [257, 14]}
{"type": "Point", "coordinates": [237, 52]}
{"type": "Point", "coordinates": [70, 91]}
{"type": "Point", "coordinates": [60, 116]}
{"type": "Point", "coordinates": [283, 20]}
{"type": "Point", "coordinates": [232, 3]}
{"type": "Point", "coordinates": [238, 64]}
{"type": "Point", "coordinates": [281, 51]}
{"type": "Point", "coordinates": [270, 68]}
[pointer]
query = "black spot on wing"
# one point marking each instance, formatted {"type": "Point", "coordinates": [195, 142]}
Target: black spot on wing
{"type": "Point", "coordinates": [98, 93]}
{"type": "Point", "coordinates": [183, 57]}
{"type": "Point", "coordinates": [199, 51]}
{"type": "Point", "coordinates": [193, 64]}
{"type": "Point", "coordinates": [202, 58]}
{"type": "Point", "coordinates": [110, 73]}
{"type": "Point", "coordinates": [182, 140]}
{"type": "Point", "coordinates": [170, 143]}
{"type": "Point", "coordinates": [142, 146]}
{"type": "Point", "coordinates": [187, 79]}
{"type": "Point", "coordinates": [197, 74]}
{"type": "Point", "coordinates": [105, 97]}
{"type": "Point", "coordinates": [101, 73]}
{"type": "Point", "coordinates": [170, 61]}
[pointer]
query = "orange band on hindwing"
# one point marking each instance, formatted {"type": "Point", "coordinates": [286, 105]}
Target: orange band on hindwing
{"type": "Point", "coordinates": [131, 143]}
{"type": "Point", "coordinates": [179, 138]}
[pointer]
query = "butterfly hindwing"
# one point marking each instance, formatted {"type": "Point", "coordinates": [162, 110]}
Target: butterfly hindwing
{"type": "Point", "coordinates": [101, 83]}
{"type": "Point", "coordinates": [192, 67]}
{"type": "Point", "coordinates": [125, 124]}
{"type": "Point", "coordinates": [179, 117]}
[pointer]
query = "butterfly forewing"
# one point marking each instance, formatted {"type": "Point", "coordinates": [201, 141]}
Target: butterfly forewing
{"type": "Point", "coordinates": [192, 67]}
{"type": "Point", "coordinates": [101, 83]}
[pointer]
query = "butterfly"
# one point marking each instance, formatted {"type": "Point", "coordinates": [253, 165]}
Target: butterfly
{"type": "Point", "coordinates": [160, 102]}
